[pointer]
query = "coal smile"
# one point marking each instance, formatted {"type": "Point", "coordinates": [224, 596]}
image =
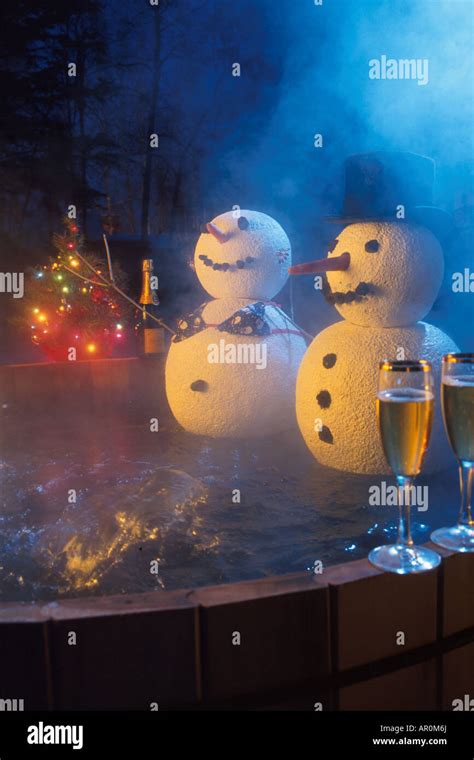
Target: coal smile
{"type": "Point", "coordinates": [362, 291]}
{"type": "Point", "coordinates": [225, 265]}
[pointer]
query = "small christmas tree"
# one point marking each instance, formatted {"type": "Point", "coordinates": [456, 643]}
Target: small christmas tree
{"type": "Point", "coordinates": [68, 305]}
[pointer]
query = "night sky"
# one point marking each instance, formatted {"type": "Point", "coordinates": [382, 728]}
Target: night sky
{"type": "Point", "coordinates": [224, 140]}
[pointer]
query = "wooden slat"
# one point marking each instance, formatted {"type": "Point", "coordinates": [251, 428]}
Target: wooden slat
{"type": "Point", "coordinates": [130, 652]}
{"type": "Point", "coordinates": [412, 688]}
{"type": "Point", "coordinates": [457, 592]}
{"type": "Point", "coordinates": [370, 608]}
{"type": "Point", "coordinates": [24, 657]}
{"type": "Point", "coordinates": [284, 635]}
{"type": "Point", "coordinates": [458, 676]}
{"type": "Point", "coordinates": [128, 385]}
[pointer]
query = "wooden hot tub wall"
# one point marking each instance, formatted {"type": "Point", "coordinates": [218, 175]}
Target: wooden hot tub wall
{"type": "Point", "coordinates": [352, 638]}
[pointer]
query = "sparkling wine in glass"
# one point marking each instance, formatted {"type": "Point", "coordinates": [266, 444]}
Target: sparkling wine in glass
{"type": "Point", "coordinates": [457, 399]}
{"type": "Point", "coordinates": [405, 405]}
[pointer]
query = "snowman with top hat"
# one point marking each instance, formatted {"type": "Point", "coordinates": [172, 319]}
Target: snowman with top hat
{"type": "Point", "coordinates": [232, 365]}
{"type": "Point", "coordinates": [382, 273]}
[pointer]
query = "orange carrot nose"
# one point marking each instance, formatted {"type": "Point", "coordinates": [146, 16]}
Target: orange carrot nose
{"type": "Point", "coordinates": [333, 264]}
{"type": "Point", "coordinates": [213, 229]}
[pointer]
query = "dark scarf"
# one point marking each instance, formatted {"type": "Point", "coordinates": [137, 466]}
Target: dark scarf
{"type": "Point", "coordinates": [251, 320]}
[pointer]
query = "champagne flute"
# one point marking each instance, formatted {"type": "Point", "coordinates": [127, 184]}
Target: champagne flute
{"type": "Point", "coordinates": [457, 398]}
{"type": "Point", "coordinates": [405, 405]}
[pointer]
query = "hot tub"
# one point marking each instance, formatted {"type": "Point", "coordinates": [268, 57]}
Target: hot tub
{"type": "Point", "coordinates": [145, 568]}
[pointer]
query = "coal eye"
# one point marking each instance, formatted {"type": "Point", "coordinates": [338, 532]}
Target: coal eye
{"type": "Point", "coordinates": [243, 222]}
{"type": "Point", "coordinates": [372, 246]}
{"type": "Point", "coordinates": [199, 385]}
{"type": "Point", "coordinates": [332, 245]}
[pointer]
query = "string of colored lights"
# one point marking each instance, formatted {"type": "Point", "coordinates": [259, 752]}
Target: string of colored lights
{"type": "Point", "coordinates": [89, 325]}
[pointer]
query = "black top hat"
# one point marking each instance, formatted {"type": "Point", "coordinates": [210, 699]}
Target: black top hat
{"type": "Point", "coordinates": [378, 184]}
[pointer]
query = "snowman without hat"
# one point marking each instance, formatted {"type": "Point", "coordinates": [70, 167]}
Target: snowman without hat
{"type": "Point", "coordinates": [232, 365]}
{"type": "Point", "coordinates": [383, 273]}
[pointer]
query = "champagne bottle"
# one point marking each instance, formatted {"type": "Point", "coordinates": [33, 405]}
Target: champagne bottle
{"type": "Point", "coordinates": [150, 334]}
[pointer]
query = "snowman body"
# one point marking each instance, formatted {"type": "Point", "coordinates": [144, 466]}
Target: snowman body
{"type": "Point", "coordinates": [392, 281]}
{"type": "Point", "coordinates": [231, 385]}
{"type": "Point", "coordinates": [231, 372]}
{"type": "Point", "coordinates": [337, 387]}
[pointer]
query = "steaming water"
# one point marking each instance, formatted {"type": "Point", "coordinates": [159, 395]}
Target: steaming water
{"type": "Point", "coordinates": [167, 496]}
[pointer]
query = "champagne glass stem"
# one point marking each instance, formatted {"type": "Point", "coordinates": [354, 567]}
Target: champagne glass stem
{"type": "Point", "coordinates": [465, 480]}
{"type": "Point", "coordinates": [404, 494]}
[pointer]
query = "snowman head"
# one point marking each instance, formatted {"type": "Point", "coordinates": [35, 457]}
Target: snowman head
{"type": "Point", "coordinates": [243, 254]}
{"type": "Point", "coordinates": [381, 274]}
